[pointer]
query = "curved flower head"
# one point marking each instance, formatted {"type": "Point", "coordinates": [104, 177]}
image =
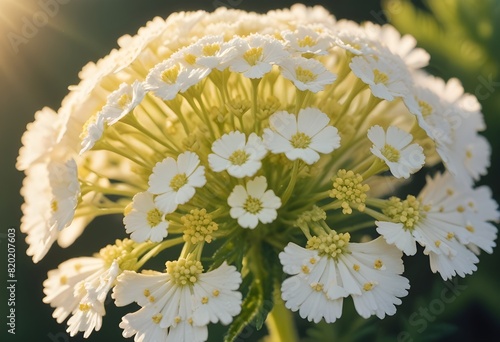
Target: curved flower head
{"type": "Point", "coordinates": [171, 133]}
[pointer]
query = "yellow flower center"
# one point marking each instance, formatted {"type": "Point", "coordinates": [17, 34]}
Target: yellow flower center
{"type": "Point", "coordinates": [380, 77]}
{"type": "Point", "coordinates": [253, 55]}
{"type": "Point", "coordinates": [331, 245]}
{"type": "Point", "coordinates": [154, 217]}
{"type": "Point", "coordinates": [124, 101]}
{"type": "Point", "coordinates": [300, 140]}
{"type": "Point", "coordinates": [425, 108]}
{"type": "Point", "coordinates": [305, 75]}
{"type": "Point", "coordinates": [178, 181]}
{"type": "Point", "coordinates": [211, 49]}
{"type": "Point", "coordinates": [190, 58]}
{"type": "Point", "coordinates": [252, 205]}
{"type": "Point", "coordinates": [238, 157]}
{"type": "Point", "coordinates": [307, 41]}
{"type": "Point", "coordinates": [170, 75]}
{"type": "Point", "coordinates": [391, 153]}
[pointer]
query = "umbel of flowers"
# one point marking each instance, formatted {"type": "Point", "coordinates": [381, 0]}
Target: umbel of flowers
{"type": "Point", "coordinates": [281, 140]}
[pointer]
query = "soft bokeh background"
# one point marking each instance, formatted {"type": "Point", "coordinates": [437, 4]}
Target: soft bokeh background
{"type": "Point", "coordinates": [37, 70]}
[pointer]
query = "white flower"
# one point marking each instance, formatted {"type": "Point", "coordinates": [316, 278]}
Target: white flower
{"type": "Point", "coordinates": [350, 36]}
{"type": "Point", "coordinates": [175, 181]}
{"type": "Point", "coordinates": [451, 119]}
{"type": "Point", "coordinates": [211, 52]}
{"type": "Point", "coordinates": [477, 156]}
{"type": "Point", "coordinates": [63, 178]}
{"type": "Point", "coordinates": [233, 153]}
{"type": "Point", "coordinates": [253, 203]}
{"type": "Point", "coordinates": [179, 304]}
{"type": "Point", "coordinates": [50, 193]}
{"type": "Point", "coordinates": [302, 137]}
{"type": "Point", "coordinates": [60, 284]}
{"type": "Point", "coordinates": [307, 40]}
{"type": "Point", "coordinates": [306, 74]}
{"type": "Point", "coordinates": [122, 101]}
{"type": "Point", "coordinates": [394, 148]}
{"type": "Point", "coordinates": [92, 132]}
{"type": "Point", "coordinates": [478, 232]}
{"type": "Point", "coordinates": [299, 14]}
{"type": "Point", "coordinates": [386, 75]}
{"type": "Point", "coordinates": [79, 287]}
{"type": "Point", "coordinates": [39, 139]}
{"type": "Point", "coordinates": [170, 77]}
{"type": "Point", "coordinates": [87, 317]}
{"type": "Point", "coordinates": [145, 221]}
{"type": "Point", "coordinates": [468, 155]}
{"type": "Point", "coordinates": [119, 103]}
{"type": "Point", "coordinates": [430, 110]}
{"type": "Point", "coordinates": [256, 55]}
{"type": "Point", "coordinates": [404, 46]}
{"type": "Point", "coordinates": [446, 221]}
{"type": "Point", "coordinates": [368, 272]}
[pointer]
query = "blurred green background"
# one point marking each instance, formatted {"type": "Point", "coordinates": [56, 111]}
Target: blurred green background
{"type": "Point", "coordinates": [462, 37]}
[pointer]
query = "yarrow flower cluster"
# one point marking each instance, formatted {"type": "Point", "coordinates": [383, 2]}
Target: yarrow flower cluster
{"type": "Point", "coordinates": [274, 137]}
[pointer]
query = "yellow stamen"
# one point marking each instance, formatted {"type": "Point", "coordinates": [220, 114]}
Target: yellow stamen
{"type": "Point", "coordinates": [178, 181]}
{"type": "Point", "coordinates": [305, 75]}
{"type": "Point", "coordinates": [380, 77]}
{"type": "Point", "coordinates": [300, 140]}
{"type": "Point", "coordinates": [253, 55]}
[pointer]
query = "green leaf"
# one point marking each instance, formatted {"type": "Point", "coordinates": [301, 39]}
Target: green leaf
{"type": "Point", "coordinates": [232, 251]}
{"type": "Point", "coordinates": [249, 309]}
{"type": "Point", "coordinates": [259, 299]}
{"type": "Point", "coordinates": [269, 274]}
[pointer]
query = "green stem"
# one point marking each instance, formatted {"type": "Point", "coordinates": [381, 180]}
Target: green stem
{"type": "Point", "coordinates": [291, 184]}
{"type": "Point", "coordinates": [255, 86]}
{"type": "Point", "coordinates": [157, 249]}
{"type": "Point", "coordinates": [280, 323]}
